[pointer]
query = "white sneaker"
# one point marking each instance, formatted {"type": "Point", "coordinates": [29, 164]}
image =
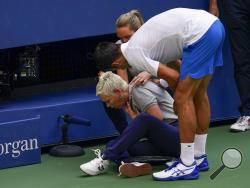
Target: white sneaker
{"type": "Point", "coordinates": [172, 162]}
{"type": "Point", "coordinates": [177, 172]}
{"type": "Point", "coordinates": [134, 169]}
{"type": "Point", "coordinates": [242, 124]}
{"type": "Point", "coordinates": [95, 166]}
{"type": "Point", "coordinates": [201, 163]}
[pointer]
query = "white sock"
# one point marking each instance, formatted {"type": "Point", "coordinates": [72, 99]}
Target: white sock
{"type": "Point", "coordinates": [187, 153]}
{"type": "Point", "coordinates": [200, 144]}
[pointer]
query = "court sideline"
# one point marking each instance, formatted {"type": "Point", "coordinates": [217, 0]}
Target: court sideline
{"type": "Point", "coordinates": [64, 172]}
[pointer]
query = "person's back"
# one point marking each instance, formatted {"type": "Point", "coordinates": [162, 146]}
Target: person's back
{"type": "Point", "coordinates": [144, 96]}
{"type": "Point", "coordinates": [186, 24]}
{"type": "Point", "coordinates": [167, 33]}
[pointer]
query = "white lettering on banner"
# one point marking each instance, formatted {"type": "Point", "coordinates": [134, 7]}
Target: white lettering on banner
{"type": "Point", "coordinates": [1, 149]}
{"type": "Point", "coordinates": [25, 145]}
{"type": "Point", "coordinates": [16, 147]}
{"type": "Point", "coordinates": [33, 142]}
{"type": "Point", "coordinates": [7, 147]}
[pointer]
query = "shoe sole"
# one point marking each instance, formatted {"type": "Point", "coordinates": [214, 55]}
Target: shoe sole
{"type": "Point", "coordinates": [194, 177]}
{"type": "Point", "coordinates": [131, 170]}
{"type": "Point", "coordinates": [202, 169]}
{"type": "Point", "coordinates": [90, 172]}
{"type": "Point", "coordinates": [87, 171]}
{"type": "Point", "coordinates": [237, 130]}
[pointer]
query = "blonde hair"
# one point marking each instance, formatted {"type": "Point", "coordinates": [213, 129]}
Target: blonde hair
{"type": "Point", "coordinates": [108, 82]}
{"type": "Point", "coordinates": [133, 19]}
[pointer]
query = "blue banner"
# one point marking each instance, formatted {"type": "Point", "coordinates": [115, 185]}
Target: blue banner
{"type": "Point", "coordinates": [20, 143]}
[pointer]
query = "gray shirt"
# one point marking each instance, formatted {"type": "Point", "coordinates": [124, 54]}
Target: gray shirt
{"type": "Point", "coordinates": [144, 96]}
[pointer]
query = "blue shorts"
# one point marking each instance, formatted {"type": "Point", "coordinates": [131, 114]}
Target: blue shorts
{"type": "Point", "coordinates": [200, 58]}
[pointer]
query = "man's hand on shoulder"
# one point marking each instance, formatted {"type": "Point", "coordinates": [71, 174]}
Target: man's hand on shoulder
{"type": "Point", "coordinates": [141, 79]}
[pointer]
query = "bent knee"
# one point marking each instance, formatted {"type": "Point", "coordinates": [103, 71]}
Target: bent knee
{"type": "Point", "coordinates": [143, 117]}
{"type": "Point", "coordinates": [180, 98]}
{"type": "Point", "coordinates": [201, 95]}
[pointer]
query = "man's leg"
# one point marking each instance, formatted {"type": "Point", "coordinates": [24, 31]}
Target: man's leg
{"type": "Point", "coordinates": [202, 108]}
{"type": "Point", "coordinates": [238, 21]}
{"type": "Point", "coordinates": [184, 103]}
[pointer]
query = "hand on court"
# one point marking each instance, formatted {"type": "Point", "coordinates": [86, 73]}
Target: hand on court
{"type": "Point", "coordinates": [141, 78]}
{"type": "Point", "coordinates": [130, 111]}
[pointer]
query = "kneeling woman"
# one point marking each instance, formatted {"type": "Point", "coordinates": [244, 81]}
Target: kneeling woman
{"type": "Point", "coordinates": [161, 138]}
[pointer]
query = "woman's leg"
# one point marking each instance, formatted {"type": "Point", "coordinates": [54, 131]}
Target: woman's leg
{"type": "Point", "coordinates": [143, 148]}
{"type": "Point", "coordinates": [163, 137]}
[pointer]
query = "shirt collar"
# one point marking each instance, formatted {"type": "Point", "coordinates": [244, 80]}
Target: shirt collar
{"type": "Point", "coordinates": [124, 47]}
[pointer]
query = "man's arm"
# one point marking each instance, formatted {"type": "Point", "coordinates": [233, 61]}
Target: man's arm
{"type": "Point", "coordinates": [168, 74]}
{"type": "Point", "coordinates": [175, 65]}
{"type": "Point", "coordinates": [213, 8]}
{"type": "Point", "coordinates": [123, 74]}
{"type": "Point", "coordinates": [138, 59]}
{"type": "Point", "coordinates": [140, 78]}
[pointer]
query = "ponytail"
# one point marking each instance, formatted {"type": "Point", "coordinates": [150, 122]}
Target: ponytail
{"type": "Point", "coordinates": [133, 19]}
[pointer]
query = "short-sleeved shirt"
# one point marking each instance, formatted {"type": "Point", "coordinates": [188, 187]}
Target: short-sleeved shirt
{"type": "Point", "coordinates": [144, 96]}
{"type": "Point", "coordinates": [162, 38]}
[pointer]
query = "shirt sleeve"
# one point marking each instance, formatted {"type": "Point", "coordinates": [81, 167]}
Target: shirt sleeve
{"type": "Point", "coordinates": [143, 98]}
{"type": "Point", "coordinates": [164, 83]}
{"type": "Point", "coordinates": [139, 59]}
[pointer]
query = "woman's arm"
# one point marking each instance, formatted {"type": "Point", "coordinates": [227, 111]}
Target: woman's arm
{"type": "Point", "coordinates": [132, 114]}
{"type": "Point", "coordinates": [155, 111]}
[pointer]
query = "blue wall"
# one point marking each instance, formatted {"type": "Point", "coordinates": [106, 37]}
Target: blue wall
{"type": "Point", "coordinates": [24, 22]}
{"type": "Point", "coordinates": [39, 21]}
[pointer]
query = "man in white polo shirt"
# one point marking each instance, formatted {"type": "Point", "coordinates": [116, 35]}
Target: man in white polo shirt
{"type": "Point", "coordinates": [195, 36]}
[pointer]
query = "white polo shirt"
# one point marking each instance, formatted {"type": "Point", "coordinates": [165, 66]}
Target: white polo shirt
{"type": "Point", "coordinates": [162, 38]}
